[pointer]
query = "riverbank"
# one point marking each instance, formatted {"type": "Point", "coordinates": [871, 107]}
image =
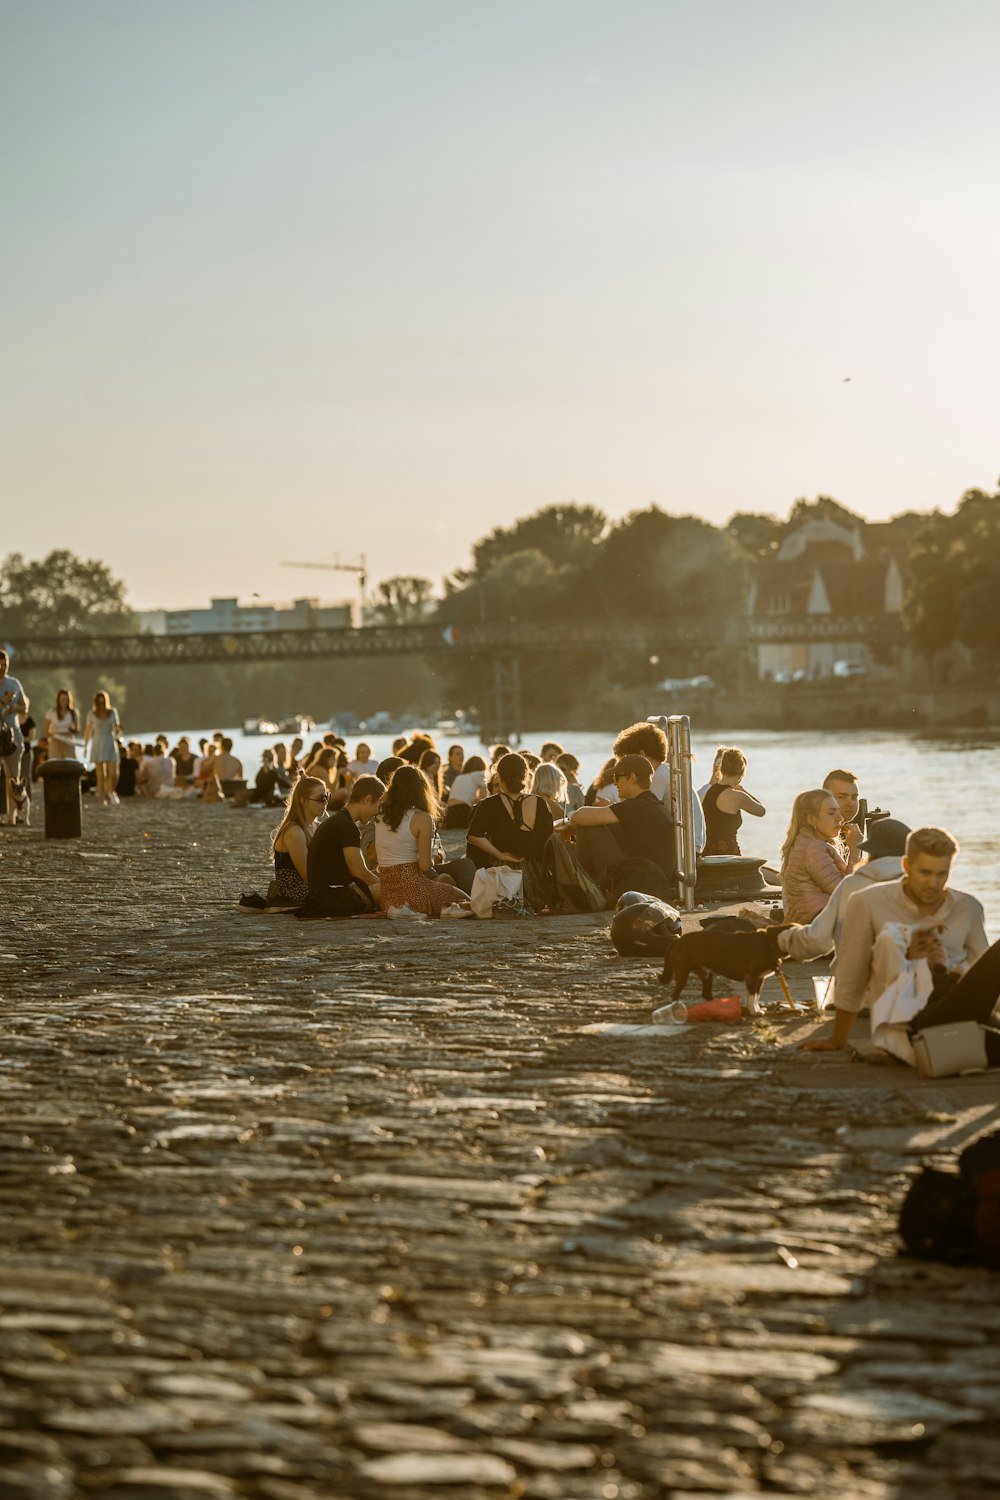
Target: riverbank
{"type": "Point", "coordinates": [810, 706]}
{"type": "Point", "coordinates": [294, 1210]}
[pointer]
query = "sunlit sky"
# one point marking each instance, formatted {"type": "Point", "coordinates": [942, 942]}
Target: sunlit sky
{"type": "Point", "coordinates": [283, 278]}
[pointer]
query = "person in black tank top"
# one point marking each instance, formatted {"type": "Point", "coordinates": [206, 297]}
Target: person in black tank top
{"type": "Point", "coordinates": [724, 803]}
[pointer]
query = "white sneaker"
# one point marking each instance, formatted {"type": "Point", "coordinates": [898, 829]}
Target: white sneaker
{"type": "Point", "coordinates": [405, 914]}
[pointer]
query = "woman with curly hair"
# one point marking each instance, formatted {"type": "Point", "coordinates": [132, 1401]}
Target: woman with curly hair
{"type": "Point", "coordinates": [290, 845]}
{"type": "Point", "coordinates": [404, 830]}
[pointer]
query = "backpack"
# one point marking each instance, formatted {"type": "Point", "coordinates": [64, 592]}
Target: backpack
{"type": "Point", "coordinates": [638, 873]}
{"type": "Point", "coordinates": [955, 1216]}
{"type": "Point", "coordinates": [572, 888]}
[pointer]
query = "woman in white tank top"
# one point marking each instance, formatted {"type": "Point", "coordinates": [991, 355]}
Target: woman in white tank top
{"type": "Point", "coordinates": [404, 829]}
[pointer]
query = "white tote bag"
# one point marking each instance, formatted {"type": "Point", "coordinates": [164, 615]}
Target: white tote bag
{"type": "Point", "coordinates": [494, 884]}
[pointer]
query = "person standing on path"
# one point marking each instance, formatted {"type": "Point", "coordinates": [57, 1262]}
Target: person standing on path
{"type": "Point", "coordinates": [100, 736]}
{"type": "Point", "coordinates": [13, 702]}
{"type": "Point", "coordinates": [62, 725]}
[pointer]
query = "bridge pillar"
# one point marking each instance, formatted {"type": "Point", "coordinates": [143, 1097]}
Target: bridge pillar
{"type": "Point", "coordinates": [506, 725]}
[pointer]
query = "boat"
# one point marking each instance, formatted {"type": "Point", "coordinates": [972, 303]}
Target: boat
{"type": "Point", "coordinates": [299, 724]}
{"type": "Point", "coordinates": [260, 726]}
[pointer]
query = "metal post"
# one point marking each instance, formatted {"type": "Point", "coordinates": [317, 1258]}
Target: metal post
{"type": "Point", "coordinates": [507, 698]}
{"type": "Point", "coordinates": [678, 731]}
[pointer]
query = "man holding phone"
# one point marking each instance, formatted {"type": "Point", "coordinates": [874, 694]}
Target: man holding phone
{"type": "Point", "coordinates": [947, 930]}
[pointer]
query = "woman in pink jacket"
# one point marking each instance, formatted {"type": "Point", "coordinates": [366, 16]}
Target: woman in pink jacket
{"type": "Point", "coordinates": [811, 863]}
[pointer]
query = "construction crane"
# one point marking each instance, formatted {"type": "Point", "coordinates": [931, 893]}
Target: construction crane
{"type": "Point", "coordinates": [360, 568]}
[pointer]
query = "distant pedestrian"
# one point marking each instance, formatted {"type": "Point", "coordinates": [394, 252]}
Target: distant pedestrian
{"type": "Point", "coordinates": [100, 735]}
{"type": "Point", "coordinates": [62, 727]}
{"type": "Point", "coordinates": [13, 705]}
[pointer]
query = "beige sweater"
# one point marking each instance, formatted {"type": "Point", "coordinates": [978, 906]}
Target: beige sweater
{"type": "Point", "coordinates": [812, 873]}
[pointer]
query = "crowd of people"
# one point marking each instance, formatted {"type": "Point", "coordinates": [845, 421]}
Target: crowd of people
{"type": "Point", "coordinates": [359, 835]}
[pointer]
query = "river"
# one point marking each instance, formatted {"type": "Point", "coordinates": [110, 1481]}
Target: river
{"type": "Point", "coordinates": [949, 780]}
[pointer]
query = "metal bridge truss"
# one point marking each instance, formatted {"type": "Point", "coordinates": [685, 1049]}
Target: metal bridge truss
{"type": "Point", "coordinates": [660, 635]}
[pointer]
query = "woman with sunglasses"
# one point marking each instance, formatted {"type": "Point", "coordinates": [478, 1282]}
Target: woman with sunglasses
{"type": "Point", "coordinates": [290, 846]}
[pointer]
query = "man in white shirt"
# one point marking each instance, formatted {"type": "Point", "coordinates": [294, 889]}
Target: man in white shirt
{"type": "Point", "coordinates": [947, 930]}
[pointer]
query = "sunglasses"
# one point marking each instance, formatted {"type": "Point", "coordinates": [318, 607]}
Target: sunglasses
{"type": "Point", "coordinates": [315, 798]}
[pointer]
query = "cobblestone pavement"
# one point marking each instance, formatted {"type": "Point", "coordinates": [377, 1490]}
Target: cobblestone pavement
{"type": "Point", "coordinates": [298, 1210]}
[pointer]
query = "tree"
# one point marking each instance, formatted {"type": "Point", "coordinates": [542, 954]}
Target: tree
{"type": "Point", "coordinates": [61, 594]}
{"type": "Point", "coordinates": [759, 536]}
{"type": "Point", "coordinates": [824, 508]}
{"type": "Point", "coordinates": [402, 600]}
{"type": "Point", "coordinates": [565, 534]}
{"type": "Point", "coordinates": [657, 564]}
{"type": "Point", "coordinates": [954, 566]}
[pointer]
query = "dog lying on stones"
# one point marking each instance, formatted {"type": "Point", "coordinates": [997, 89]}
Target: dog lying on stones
{"type": "Point", "coordinates": [746, 956]}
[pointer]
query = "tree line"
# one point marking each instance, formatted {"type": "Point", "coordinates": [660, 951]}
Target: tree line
{"type": "Point", "coordinates": [563, 562]}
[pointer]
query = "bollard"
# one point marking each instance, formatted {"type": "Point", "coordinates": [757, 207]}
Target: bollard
{"type": "Point", "coordinates": [63, 798]}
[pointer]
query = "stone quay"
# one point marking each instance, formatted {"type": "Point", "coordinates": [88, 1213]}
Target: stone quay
{"type": "Point", "coordinates": [308, 1210]}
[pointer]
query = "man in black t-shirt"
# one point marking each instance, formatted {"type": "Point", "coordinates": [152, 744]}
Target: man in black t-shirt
{"type": "Point", "coordinates": [637, 826]}
{"type": "Point", "coordinates": [335, 857]}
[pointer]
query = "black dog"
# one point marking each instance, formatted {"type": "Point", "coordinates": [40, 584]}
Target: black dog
{"type": "Point", "coordinates": [747, 956]}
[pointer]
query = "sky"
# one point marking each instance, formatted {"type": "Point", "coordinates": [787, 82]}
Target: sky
{"type": "Point", "coordinates": [284, 279]}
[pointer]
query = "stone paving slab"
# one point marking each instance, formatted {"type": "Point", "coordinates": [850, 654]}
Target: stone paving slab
{"type": "Point", "coordinates": [300, 1210]}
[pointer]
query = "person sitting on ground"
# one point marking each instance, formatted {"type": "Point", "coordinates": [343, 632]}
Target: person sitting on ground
{"type": "Point", "coordinates": [385, 772]}
{"type": "Point", "coordinates": [404, 831]}
{"type": "Point", "coordinates": [466, 790]}
{"type": "Point", "coordinates": [335, 857]}
{"type": "Point", "coordinates": [129, 759]}
{"type": "Point", "coordinates": [226, 766]}
{"type": "Point", "coordinates": [280, 753]}
{"type": "Point", "coordinates": [456, 760]}
{"type": "Point", "coordinates": [885, 847]}
{"type": "Point", "coordinates": [636, 826]}
{"type": "Point", "coordinates": [430, 764]}
{"type": "Point", "coordinates": [364, 762]}
{"type": "Point", "coordinates": [399, 742]}
{"type": "Point", "coordinates": [602, 791]}
{"type": "Point", "coordinates": [325, 767]}
{"type": "Point", "coordinates": [844, 786]}
{"type": "Point", "coordinates": [812, 865]}
{"type": "Point", "coordinates": [154, 770]}
{"type": "Point", "coordinates": [511, 828]}
{"type": "Point", "coordinates": [551, 751]}
{"type": "Point", "coordinates": [947, 933]}
{"type": "Point", "coordinates": [716, 764]}
{"type": "Point", "coordinates": [549, 783]}
{"type": "Point", "coordinates": [267, 783]}
{"type": "Point", "coordinates": [531, 760]}
{"type": "Point", "coordinates": [205, 773]}
{"type": "Point", "coordinates": [649, 740]}
{"type": "Point", "coordinates": [290, 844]}
{"type": "Point", "coordinates": [184, 762]}
{"type": "Point", "coordinates": [570, 767]}
{"type": "Point", "coordinates": [415, 747]}
{"type": "Point", "coordinates": [725, 803]}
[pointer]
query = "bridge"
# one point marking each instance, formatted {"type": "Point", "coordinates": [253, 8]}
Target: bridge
{"type": "Point", "coordinates": [503, 643]}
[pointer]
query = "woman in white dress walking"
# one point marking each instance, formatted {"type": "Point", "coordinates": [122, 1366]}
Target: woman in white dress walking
{"type": "Point", "coordinates": [62, 725]}
{"type": "Point", "coordinates": [100, 735]}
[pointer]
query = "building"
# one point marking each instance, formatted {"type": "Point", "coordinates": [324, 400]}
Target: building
{"type": "Point", "coordinates": [229, 617]}
{"type": "Point", "coordinates": [834, 575]}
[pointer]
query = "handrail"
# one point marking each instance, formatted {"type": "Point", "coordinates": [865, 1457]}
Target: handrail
{"type": "Point", "coordinates": [677, 728]}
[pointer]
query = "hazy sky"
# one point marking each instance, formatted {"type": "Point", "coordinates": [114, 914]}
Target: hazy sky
{"type": "Point", "coordinates": [283, 277]}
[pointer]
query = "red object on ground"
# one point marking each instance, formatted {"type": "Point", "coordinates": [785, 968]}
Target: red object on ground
{"type": "Point", "coordinates": [726, 1008]}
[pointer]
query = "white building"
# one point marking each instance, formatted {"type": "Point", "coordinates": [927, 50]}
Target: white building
{"type": "Point", "coordinates": [229, 617]}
